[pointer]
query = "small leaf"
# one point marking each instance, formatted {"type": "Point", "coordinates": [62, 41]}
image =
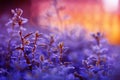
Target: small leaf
{"type": "Point", "coordinates": [19, 48]}
{"type": "Point", "coordinates": [41, 58]}
{"type": "Point", "coordinates": [26, 36]}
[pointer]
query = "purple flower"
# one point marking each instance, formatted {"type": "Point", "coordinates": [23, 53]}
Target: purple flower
{"type": "Point", "coordinates": [17, 19]}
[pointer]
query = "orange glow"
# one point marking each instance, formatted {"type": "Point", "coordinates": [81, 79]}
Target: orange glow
{"type": "Point", "coordinates": [92, 16]}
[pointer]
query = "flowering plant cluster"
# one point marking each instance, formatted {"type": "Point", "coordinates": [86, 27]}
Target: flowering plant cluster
{"type": "Point", "coordinates": [38, 56]}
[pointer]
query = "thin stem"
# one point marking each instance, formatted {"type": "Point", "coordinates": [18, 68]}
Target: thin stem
{"type": "Point", "coordinates": [23, 49]}
{"type": "Point", "coordinates": [9, 49]}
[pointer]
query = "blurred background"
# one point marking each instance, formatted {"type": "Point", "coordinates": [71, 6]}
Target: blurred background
{"type": "Point", "coordinates": [92, 15]}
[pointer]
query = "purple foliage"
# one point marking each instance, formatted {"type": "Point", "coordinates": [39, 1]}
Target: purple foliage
{"type": "Point", "coordinates": [39, 56]}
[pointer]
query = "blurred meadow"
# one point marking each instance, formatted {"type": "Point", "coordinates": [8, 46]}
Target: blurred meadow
{"type": "Point", "coordinates": [59, 39]}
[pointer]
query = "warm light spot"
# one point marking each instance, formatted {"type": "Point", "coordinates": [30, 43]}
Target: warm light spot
{"type": "Point", "coordinates": [111, 5]}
